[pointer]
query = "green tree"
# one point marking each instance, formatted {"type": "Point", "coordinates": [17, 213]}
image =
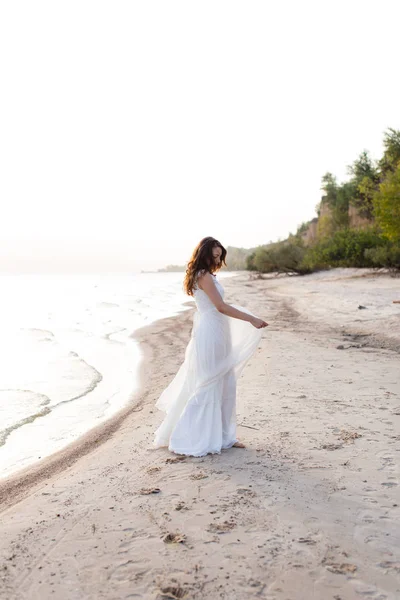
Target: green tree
{"type": "Point", "coordinates": [330, 187]}
{"type": "Point", "coordinates": [391, 155]}
{"type": "Point", "coordinates": [363, 184]}
{"type": "Point", "coordinates": [387, 205]}
{"type": "Point", "coordinates": [250, 266]}
{"type": "Point", "coordinates": [337, 197]}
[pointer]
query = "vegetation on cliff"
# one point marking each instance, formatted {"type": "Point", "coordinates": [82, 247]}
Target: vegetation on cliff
{"type": "Point", "coordinates": [358, 221]}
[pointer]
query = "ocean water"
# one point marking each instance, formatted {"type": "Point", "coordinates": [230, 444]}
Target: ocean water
{"type": "Point", "coordinates": [67, 358]}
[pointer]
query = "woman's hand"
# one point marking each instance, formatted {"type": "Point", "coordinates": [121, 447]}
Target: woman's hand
{"type": "Point", "coordinates": [258, 323]}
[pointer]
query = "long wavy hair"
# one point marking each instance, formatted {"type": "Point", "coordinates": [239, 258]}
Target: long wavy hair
{"type": "Point", "coordinates": [202, 259]}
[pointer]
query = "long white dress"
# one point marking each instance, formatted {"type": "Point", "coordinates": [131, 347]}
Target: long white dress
{"type": "Point", "coordinates": [200, 402]}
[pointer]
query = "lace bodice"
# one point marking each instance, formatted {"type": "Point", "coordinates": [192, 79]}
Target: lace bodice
{"type": "Point", "coordinates": [203, 302]}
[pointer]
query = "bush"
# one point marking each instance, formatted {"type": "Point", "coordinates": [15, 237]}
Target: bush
{"type": "Point", "coordinates": [385, 256]}
{"type": "Point", "coordinates": [346, 248]}
{"type": "Point", "coordinates": [283, 257]}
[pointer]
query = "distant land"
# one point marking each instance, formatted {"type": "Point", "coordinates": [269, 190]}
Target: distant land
{"type": "Point", "coordinates": [236, 261]}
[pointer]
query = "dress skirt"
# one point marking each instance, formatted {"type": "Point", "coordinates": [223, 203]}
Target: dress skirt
{"type": "Point", "coordinates": [200, 402]}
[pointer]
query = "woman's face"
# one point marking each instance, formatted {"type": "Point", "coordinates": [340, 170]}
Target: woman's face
{"type": "Point", "coordinates": [216, 252]}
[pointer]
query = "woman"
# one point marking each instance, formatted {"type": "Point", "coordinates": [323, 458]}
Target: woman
{"type": "Point", "coordinates": [200, 402]}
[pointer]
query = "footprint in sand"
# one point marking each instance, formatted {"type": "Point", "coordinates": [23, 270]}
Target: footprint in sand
{"type": "Point", "coordinates": [221, 527]}
{"type": "Point", "coordinates": [174, 592]}
{"type": "Point", "coordinates": [196, 476]}
{"type": "Point", "coordinates": [174, 538]}
{"type": "Point", "coordinates": [178, 459]}
{"type": "Point", "coordinates": [153, 470]}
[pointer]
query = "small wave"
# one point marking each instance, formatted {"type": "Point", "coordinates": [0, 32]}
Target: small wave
{"type": "Point", "coordinates": [30, 419]}
{"type": "Point", "coordinates": [107, 336]}
{"type": "Point", "coordinates": [97, 378]}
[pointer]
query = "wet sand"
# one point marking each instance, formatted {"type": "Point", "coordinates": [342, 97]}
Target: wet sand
{"type": "Point", "coordinates": [309, 510]}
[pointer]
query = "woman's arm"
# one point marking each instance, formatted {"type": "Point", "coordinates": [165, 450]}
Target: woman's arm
{"type": "Point", "coordinates": [206, 283]}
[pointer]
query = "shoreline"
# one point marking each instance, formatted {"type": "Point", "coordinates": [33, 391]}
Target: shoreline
{"type": "Point", "coordinates": [26, 479]}
{"type": "Point", "coordinates": [312, 503]}
{"type": "Point", "coordinates": [21, 484]}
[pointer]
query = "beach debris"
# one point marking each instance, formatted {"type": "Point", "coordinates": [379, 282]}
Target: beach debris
{"type": "Point", "coordinates": [306, 540]}
{"type": "Point", "coordinates": [177, 459]}
{"type": "Point", "coordinates": [199, 475]}
{"type": "Point", "coordinates": [256, 583]}
{"type": "Point", "coordinates": [396, 301]}
{"type": "Point", "coordinates": [360, 307]}
{"type": "Point", "coordinates": [349, 436]}
{"type": "Point", "coordinates": [174, 592]}
{"type": "Point", "coordinates": [221, 527]}
{"type": "Point", "coordinates": [214, 540]}
{"type": "Point", "coordinates": [341, 568]}
{"type": "Point", "coordinates": [174, 538]}
{"type": "Point", "coordinates": [181, 506]}
{"type": "Point", "coordinates": [342, 347]}
{"type": "Point", "coordinates": [148, 491]}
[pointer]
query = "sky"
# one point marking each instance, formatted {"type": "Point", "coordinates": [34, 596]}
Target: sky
{"type": "Point", "coordinates": [129, 130]}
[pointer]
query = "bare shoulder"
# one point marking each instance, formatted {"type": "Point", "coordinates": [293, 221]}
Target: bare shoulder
{"type": "Point", "coordinates": [204, 278]}
{"type": "Point", "coordinates": [201, 273]}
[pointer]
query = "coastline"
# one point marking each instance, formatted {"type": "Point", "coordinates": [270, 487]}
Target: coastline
{"type": "Point", "coordinates": [21, 484]}
{"type": "Point", "coordinates": [18, 484]}
{"type": "Point", "coordinates": [311, 504]}
{"type": "Point", "coordinates": [69, 361]}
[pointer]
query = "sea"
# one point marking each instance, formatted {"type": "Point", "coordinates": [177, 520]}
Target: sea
{"type": "Point", "coordinates": [68, 361]}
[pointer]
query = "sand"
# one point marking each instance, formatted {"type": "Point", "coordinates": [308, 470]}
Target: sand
{"type": "Point", "coordinates": [309, 510]}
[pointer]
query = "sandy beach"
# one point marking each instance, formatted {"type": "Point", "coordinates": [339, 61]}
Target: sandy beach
{"type": "Point", "coordinates": [310, 510]}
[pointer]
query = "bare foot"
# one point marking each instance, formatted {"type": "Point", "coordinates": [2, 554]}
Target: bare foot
{"type": "Point", "coordinates": [238, 445]}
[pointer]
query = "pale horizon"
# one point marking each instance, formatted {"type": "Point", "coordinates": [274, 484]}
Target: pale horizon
{"type": "Point", "coordinates": [131, 131]}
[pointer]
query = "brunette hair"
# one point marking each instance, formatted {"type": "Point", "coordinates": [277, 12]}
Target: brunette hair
{"type": "Point", "coordinates": [202, 260]}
